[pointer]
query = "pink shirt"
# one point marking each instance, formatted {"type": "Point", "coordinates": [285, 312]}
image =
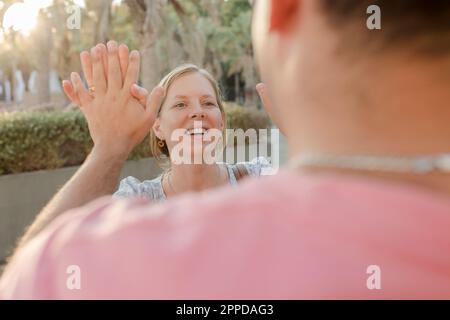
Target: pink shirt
{"type": "Point", "coordinates": [289, 236]}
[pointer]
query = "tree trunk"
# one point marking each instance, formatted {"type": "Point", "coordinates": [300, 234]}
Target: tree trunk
{"type": "Point", "coordinates": [193, 41]}
{"type": "Point", "coordinates": [13, 81]}
{"type": "Point", "coordinates": [236, 88]}
{"type": "Point", "coordinates": [147, 21]}
{"type": "Point", "coordinates": [64, 62]}
{"type": "Point", "coordinates": [250, 81]}
{"type": "Point", "coordinates": [103, 15]}
{"type": "Point", "coordinates": [150, 69]}
{"type": "Point", "coordinates": [67, 56]}
{"type": "Point", "coordinates": [44, 47]}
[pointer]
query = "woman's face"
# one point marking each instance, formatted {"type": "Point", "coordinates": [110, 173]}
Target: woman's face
{"type": "Point", "coordinates": [190, 99]}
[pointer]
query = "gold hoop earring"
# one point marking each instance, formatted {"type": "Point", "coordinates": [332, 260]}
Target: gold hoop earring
{"type": "Point", "coordinates": [161, 143]}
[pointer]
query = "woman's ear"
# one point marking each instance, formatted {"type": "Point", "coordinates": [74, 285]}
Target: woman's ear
{"type": "Point", "coordinates": [157, 129]}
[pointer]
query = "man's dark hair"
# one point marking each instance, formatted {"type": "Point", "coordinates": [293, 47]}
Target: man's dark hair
{"type": "Point", "coordinates": [424, 24]}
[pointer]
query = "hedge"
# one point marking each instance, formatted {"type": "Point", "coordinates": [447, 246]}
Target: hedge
{"type": "Point", "coordinates": [41, 140]}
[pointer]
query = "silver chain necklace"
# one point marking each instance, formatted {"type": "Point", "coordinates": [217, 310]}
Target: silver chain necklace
{"type": "Point", "coordinates": [414, 164]}
{"type": "Point", "coordinates": [169, 180]}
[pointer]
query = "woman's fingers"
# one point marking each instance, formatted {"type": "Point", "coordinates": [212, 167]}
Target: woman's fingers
{"type": "Point", "coordinates": [86, 65]}
{"type": "Point", "coordinates": [114, 72]}
{"type": "Point", "coordinates": [104, 55]}
{"type": "Point", "coordinates": [140, 94]}
{"type": "Point", "coordinates": [79, 89]}
{"type": "Point", "coordinates": [132, 74]}
{"type": "Point", "coordinates": [70, 92]}
{"type": "Point", "coordinates": [98, 72]}
{"type": "Point", "coordinates": [101, 83]}
{"type": "Point", "coordinates": [123, 58]}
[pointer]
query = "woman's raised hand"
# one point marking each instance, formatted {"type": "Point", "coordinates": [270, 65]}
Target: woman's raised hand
{"type": "Point", "coordinates": [117, 120]}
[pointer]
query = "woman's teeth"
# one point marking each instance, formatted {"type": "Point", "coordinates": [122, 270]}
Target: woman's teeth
{"type": "Point", "coordinates": [196, 131]}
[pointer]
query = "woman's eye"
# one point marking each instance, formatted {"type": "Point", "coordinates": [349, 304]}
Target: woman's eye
{"type": "Point", "coordinates": [210, 104]}
{"type": "Point", "coordinates": [179, 105]}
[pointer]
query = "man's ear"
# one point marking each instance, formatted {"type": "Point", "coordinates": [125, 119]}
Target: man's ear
{"type": "Point", "coordinates": [157, 129]}
{"type": "Point", "coordinates": [283, 14]}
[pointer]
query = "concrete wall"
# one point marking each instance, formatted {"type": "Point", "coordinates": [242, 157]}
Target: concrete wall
{"type": "Point", "coordinates": [23, 195]}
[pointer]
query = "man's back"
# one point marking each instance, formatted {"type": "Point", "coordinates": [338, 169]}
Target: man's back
{"type": "Point", "coordinates": [288, 236]}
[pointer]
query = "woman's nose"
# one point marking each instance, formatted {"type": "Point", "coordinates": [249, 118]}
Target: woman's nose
{"type": "Point", "coordinates": [198, 112]}
{"type": "Point", "coordinates": [200, 115]}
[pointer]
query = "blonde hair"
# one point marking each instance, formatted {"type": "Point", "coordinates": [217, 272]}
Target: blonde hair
{"type": "Point", "coordinates": [161, 154]}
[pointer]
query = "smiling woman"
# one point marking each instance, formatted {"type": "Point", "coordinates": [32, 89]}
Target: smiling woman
{"type": "Point", "coordinates": [192, 105]}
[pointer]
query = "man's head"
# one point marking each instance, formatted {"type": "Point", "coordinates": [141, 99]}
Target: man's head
{"type": "Point", "coordinates": [418, 25]}
{"type": "Point", "coordinates": [327, 71]}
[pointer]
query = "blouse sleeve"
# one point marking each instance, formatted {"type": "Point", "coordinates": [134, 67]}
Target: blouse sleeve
{"type": "Point", "coordinates": [258, 167]}
{"type": "Point", "coordinates": [128, 187]}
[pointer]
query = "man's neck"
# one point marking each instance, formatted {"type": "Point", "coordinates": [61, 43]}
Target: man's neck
{"type": "Point", "coordinates": [396, 109]}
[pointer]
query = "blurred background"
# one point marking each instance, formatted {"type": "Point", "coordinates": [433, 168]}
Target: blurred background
{"type": "Point", "coordinates": [41, 41]}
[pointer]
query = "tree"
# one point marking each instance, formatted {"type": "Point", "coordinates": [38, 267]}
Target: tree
{"type": "Point", "coordinates": [193, 39]}
{"type": "Point", "coordinates": [219, 42]}
{"type": "Point", "coordinates": [102, 16]}
{"type": "Point", "coordinates": [239, 52]}
{"type": "Point", "coordinates": [147, 18]}
{"type": "Point", "coordinates": [67, 43]}
{"type": "Point", "coordinates": [42, 37]}
{"type": "Point", "coordinates": [214, 34]}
